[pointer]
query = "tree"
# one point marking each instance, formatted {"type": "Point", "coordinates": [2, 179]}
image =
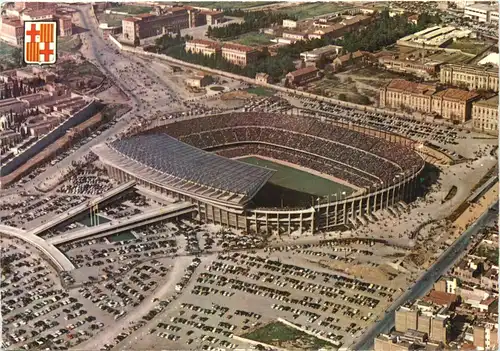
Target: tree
{"type": "Point", "coordinates": [17, 57]}
{"type": "Point", "coordinates": [322, 62]}
{"type": "Point", "coordinates": [342, 97]}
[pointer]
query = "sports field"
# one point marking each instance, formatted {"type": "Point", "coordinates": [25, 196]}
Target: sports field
{"type": "Point", "coordinates": [290, 187]}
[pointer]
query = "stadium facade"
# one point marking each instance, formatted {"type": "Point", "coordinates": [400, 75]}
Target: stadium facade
{"type": "Point", "coordinates": [193, 160]}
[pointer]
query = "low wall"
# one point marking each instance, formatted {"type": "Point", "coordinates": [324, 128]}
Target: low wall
{"type": "Point", "coordinates": [255, 343]}
{"type": "Point", "coordinates": [291, 325]}
{"type": "Point", "coordinates": [81, 116]}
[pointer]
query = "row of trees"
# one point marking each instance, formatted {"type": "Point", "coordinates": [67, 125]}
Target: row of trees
{"type": "Point", "coordinates": [270, 65]}
{"type": "Point", "coordinates": [18, 88]}
{"type": "Point", "coordinates": [384, 32]}
{"type": "Point", "coordinates": [253, 21]}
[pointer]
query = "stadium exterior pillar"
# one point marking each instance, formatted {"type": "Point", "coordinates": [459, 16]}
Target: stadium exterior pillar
{"type": "Point", "coordinates": [353, 209]}
{"type": "Point", "coordinates": [289, 223]}
{"type": "Point", "coordinates": [336, 208]}
{"type": "Point", "coordinates": [256, 222]}
{"type": "Point", "coordinates": [368, 209]}
{"type": "Point", "coordinates": [388, 196]}
{"type": "Point", "coordinates": [375, 201]}
{"type": "Point", "coordinates": [313, 229]}
{"type": "Point", "coordinates": [328, 212]}
{"type": "Point", "coordinates": [300, 224]}
{"type": "Point", "coordinates": [213, 215]}
{"type": "Point", "coordinates": [267, 224]}
{"type": "Point", "coordinates": [345, 212]}
{"type": "Point", "coordinates": [382, 199]}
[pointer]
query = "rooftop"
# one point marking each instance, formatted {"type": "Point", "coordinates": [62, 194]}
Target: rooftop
{"type": "Point", "coordinates": [440, 298]}
{"type": "Point", "coordinates": [411, 87]}
{"type": "Point", "coordinates": [237, 47]}
{"type": "Point", "coordinates": [188, 164]}
{"type": "Point", "coordinates": [323, 50]}
{"type": "Point", "coordinates": [302, 71]}
{"type": "Point", "coordinates": [457, 94]}
{"type": "Point", "coordinates": [491, 102]}
{"type": "Point", "coordinates": [485, 7]}
{"type": "Point", "coordinates": [208, 43]}
{"type": "Point", "coordinates": [37, 13]}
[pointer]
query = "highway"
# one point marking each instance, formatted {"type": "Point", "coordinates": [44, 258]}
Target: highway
{"type": "Point", "coordinates": [61, 262]}
{"type": "Point", "coordinates": [426, 281]}
{"type": "Point", "coordinates": [117, 226]}
{"type": "Point", "coordinates": [83, 207]}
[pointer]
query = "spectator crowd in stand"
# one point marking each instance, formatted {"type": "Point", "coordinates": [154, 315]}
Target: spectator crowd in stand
{"type": "Point", "coordinates": [354, 156]}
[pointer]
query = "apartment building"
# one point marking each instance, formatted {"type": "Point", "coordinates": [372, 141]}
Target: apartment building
{"type": "Point", "coordinates": [451, 104]}
{"type": "Point", "coordinates": [482, 13]}
{"type": "Point", "coordinates": [485, 114]}
{"type": "Point", "coordinates": [486, 336]}
{"type": "Point", "coordinates": [470, 77]}
{"type": "Point", "coordinates": [12, 31]}
{"type": "Point", "coordinates": [149, 25]}
{"type": "Point", "coordinates": [212, 17]}
{"type": "Point", "coordinates": [240, 55]}
{"type": "Point", "coordinates": [201, 46]}
{"type": "Point", "coordinates": [429, 322]}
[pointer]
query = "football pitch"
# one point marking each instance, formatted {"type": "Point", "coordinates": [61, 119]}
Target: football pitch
{"type": "Point", "coordinates": [294, 185]}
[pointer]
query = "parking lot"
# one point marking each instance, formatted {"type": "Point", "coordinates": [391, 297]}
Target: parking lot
{"type": "Point", "coordinates": [236, 292]}
{"type": "Point", "coordinates": [37, 312]}
{"type": "Point", "coordinates": [19, 209]}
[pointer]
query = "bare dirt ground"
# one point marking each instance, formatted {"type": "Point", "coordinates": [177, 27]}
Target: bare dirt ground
{"type": "Point", "coordinates": [113, 95]}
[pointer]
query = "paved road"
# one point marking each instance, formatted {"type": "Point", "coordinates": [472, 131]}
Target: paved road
{"type": "Point", "coordinates": [61, 262]}
{"type": "Point", "coordinates": [426, 281]}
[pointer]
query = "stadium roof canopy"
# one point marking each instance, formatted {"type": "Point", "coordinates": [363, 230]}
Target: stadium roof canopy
{"type": "Point", "coordinates": [169, 162]}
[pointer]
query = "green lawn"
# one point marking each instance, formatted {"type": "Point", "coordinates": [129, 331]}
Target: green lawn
{"type": "Point", "coordinates": [6, 52]}
{"type": "Point", "coordinates": [453, 57]}
{"type": "Point", "coordinates": [111, 19]}
{"type": "Point", "coordinates": [277, 333]}
{"type": "Point", "coordinates": [228, 4]}
{"type": "Point", "coordinates": [469, 46]}
{"type": "Point", "coordinates": [254, 39]}
{"type": "Point", "coordinates": [261, 91]}
{"type": "Point", "coordinates": [131, 9]}
{"type": "Point", "coordinates": [298, 180]}
{"type": "Point", "coordinates": [69, 44]}
{"type": "Point", "coordinates": [314, 9]}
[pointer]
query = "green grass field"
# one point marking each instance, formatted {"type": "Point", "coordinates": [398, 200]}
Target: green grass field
{"type": "Point", "coordinates": [253, 39]}
{"type": "Point", "coordinates": [111, 19]}
{"type": "Point", "coordinates": [291, 187]}
{"type": "Point", "coordinates": [279, 334]}
{"type": "Point", "coordinates": [228, 4]}
{"type": "Point", "coordinates": [314, 9]}
{"type": "Point", "coordinates": [6, 53]}
{"type": "Point", "coordinates": [131, 9]}
{"type": "Point", "coordinates": [69, 44]}
{"type": "Point", "coordinates": [469, 46]}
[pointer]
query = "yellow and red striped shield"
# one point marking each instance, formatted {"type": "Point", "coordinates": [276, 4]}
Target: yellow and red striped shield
{"type": "Point", "coordinates": [40, 40]}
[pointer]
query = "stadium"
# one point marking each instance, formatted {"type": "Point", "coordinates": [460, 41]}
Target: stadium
{"type": "Point", "coordinates": [231, 166]}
